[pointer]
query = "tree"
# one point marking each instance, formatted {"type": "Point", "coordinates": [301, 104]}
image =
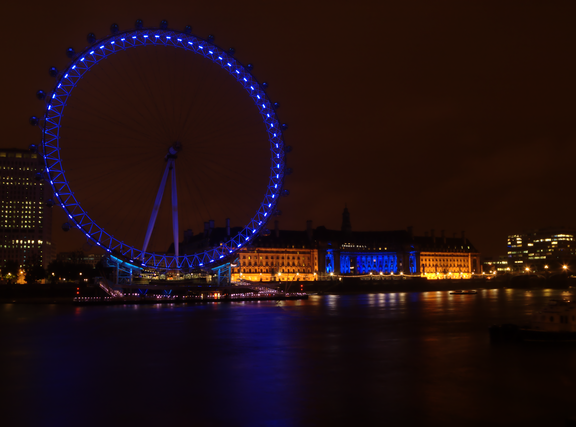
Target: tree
{"type": "Point", "coordinates": [10, 270]}
{"type": "Point", "coordinates": [34, 274]}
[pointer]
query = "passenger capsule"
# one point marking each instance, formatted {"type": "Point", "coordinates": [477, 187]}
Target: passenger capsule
{"type": "Point", "coordinates": [284, 126]}
{"type": "Point", "coordinates": [188, 29]}
{"type": "Point", "coordinates": [41, 95]}
{"type": "Point", "coordinates": [163, 24]}
{"type": "Point", "coordinates": [288, 171]}
{"type": "Point", "coordinates": [288, 149]}
{"type": "Point", "coordinates": [231, 51]}
{"type": "Point", "coordinates": [211, 38]}
{"type": "Point", "coordinates": [70, 52]}
{"type": "Point", "coordinates": [33, 148]}
{"type": "Point", "coordinates": [66, 226]}
{"type": "Point", "coordinates": [91, 37]}
{"type": "Point", "coordinates": [264, 85]}
{"type": "Point", "coordinates": [285, 193]}
{"type": "Point", "coordinates": [50, 203]}
{"type": "Point", "coordinates": [276, 105]}
{"type": "Point", "coordinates": [34, 121]}
{"type": "Point", "coordinates": [139, 24]}
{"type": "Point", "coordinates": [250, 67]}
{"type": "Point", "coordinates": [114, 28]}
{"type": "Point", "coordinates": [53, 71]}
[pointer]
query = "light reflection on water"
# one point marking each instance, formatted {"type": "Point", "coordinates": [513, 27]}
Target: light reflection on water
{"type": "Point", "coordinates": [406, 358]}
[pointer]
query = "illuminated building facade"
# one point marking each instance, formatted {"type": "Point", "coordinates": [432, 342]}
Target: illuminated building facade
{"type": "Point", "coordinates": [26, 221]}
{"type": "Point", "coordinates": [281, 255]}
{"type": "Point", "coordinates": [320, 253]}
{"type": "Point", "coordinates": [397, 253]}
{"type": "Point", "coordinates": [540, 249]}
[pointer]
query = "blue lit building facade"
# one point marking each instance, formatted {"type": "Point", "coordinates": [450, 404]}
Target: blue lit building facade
{"type": "Point", "coordinates": [396, 252]}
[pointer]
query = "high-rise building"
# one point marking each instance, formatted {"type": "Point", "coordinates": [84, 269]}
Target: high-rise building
{"type": "Point", "coordinates": [25, 219]}
{"type": "Point", "coordinates": [544, 248]}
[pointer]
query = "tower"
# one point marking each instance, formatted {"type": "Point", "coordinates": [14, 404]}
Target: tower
{"type": "Point", "coordinates": [346, 224]}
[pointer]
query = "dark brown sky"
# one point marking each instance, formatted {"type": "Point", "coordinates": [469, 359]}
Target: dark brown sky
{"type": "Point", "coordinates": [447, 115]}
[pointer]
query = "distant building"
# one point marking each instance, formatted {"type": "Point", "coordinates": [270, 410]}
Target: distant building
{"type": "Point", "coordinates": [320, 253]}
{"type": "Point", "coordinates": [540, 249]}
{"type": "Point", "coordinates": [496, 266]}
{"type": "Point", "coordinates": [347, 252]}
{"type": "Point", "coordinates": [282, 255]}
{"type": "Point", "coordinates": [26, 221]}
{"type": "Point", "coordinates": [79, 257]}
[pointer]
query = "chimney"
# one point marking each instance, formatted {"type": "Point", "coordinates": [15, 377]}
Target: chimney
{"type": "Point", "coordinates": [432, 233]}
{"type": "Point", "coordinates": [211, 224]}
{"type": "Point", "coordinates": [228, 227]}
{"type": "Point", "coordinates": [277, 229]}
{"type": "Point", "coordinates": [205, 228]}
{"type": "Point", "coordinates": [425, 234]}
{"type": "Point", "coordinates": [443, 236]}
{"type": "Point", "coordinates": [410, 231]}
{"type": "Point", "coordinates": [463, 238]}
{"type": "Point", "coordinates": [309, 229]}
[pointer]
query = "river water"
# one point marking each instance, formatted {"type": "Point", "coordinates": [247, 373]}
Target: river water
{"type": "Point", "coordinates": [398, 359]}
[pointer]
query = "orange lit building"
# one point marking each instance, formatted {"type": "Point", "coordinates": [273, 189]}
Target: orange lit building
{"type": "Point", "coordinates": [281, 255]}
{"type": "Point", "coordinates": [279, 264]}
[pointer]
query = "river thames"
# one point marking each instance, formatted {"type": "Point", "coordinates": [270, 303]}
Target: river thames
{"type": "Point", "coordinates": [398, 359]}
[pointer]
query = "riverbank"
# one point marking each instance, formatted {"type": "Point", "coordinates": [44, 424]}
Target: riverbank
{"type": "Point", "coordinates": [62, 293]}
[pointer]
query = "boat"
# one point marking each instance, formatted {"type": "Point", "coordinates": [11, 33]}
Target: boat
{"type": "Point", "coordinates": [555, 322]}
{"type": "Point", "coordinates": [464, 292]}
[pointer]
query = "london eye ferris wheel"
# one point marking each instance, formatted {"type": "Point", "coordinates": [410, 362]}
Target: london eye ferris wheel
{"type": "Point", "coordinates": [144, 109]}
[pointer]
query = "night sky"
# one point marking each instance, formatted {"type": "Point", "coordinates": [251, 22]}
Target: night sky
{"type": "Point", "coordinates": [441, 115]}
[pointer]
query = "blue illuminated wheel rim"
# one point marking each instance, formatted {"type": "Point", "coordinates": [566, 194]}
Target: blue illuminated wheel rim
{"type": "Point", "coordinates": [63, 194]}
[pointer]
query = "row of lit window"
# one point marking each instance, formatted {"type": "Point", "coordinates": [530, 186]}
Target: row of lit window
{"type": "Point", "coordinates": [272, 257]}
